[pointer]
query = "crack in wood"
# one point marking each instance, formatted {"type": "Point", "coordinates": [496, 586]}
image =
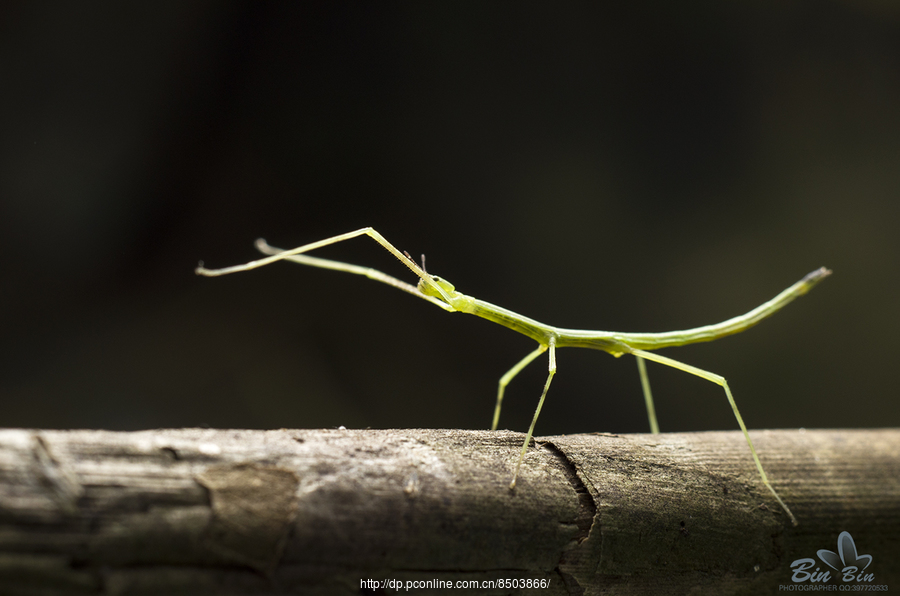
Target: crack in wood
{"type": "Point", "coordinates": [61, 482]}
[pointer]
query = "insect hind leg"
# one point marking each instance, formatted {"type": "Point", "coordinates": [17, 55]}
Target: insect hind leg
{"type": "Point", "coordinates": [720, 380]}
{"type": "Point", "coordinates": [648, 395]}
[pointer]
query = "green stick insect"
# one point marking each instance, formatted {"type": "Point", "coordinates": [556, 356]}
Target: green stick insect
{"type": "Point", "coordinates": [443, 294]}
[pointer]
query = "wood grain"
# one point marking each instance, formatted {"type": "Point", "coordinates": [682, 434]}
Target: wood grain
{"type": "Point", "coordinates": [204, 511]}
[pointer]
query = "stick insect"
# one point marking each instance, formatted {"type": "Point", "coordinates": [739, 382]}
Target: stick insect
{"type": "Point", "coordinates": [442, 293]}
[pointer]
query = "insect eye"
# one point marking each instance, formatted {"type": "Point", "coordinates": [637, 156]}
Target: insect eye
{"type": "Point", "coordinates": [430, 290]}
{"type": "Point", "coordinates": [446, 285]}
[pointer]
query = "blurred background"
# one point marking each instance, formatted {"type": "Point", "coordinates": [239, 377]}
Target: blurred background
{"type": "Point", "coordinates": [643, 166]}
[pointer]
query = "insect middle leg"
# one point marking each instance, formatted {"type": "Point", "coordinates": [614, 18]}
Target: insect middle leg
{"type": "Point", "coordinates": [537, 412]}
{"type": "Point", "coordinates": [510, 374]}
{"type": "Point", "coordinates": [720, 380]}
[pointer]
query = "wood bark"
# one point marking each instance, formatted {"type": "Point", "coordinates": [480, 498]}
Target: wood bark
{"type": "Point", "coordinates": [201, 511]}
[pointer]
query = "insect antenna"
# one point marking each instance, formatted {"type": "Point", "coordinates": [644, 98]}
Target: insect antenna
{"type": "Point", "coordinates": [409, 256]}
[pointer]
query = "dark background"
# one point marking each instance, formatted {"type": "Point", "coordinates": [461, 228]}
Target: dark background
{"type": "Point", "coordinates": [647, 167]}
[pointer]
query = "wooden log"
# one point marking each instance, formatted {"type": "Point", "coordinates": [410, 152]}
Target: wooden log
{"type": "Point", "coordinates": [334, 511]}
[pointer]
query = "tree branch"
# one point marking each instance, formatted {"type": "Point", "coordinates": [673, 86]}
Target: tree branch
{"type": "Point", "coordinates": [320, 511]}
